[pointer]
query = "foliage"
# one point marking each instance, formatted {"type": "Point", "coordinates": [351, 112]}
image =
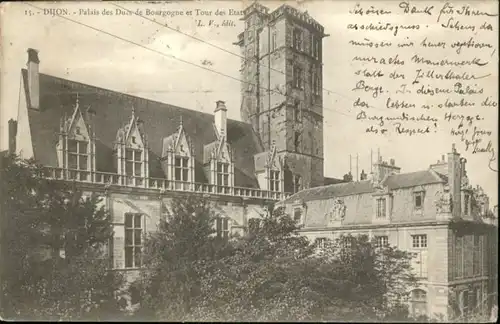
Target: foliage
{"type": "Point", "coordinates": [271, 274]}
{"type": "Point", "coordinates": [40, 219]}
{"type": "Point", "coordinates": [185, 239]}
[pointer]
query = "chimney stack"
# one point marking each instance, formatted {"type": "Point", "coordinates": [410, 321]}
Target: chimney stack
{"type": "Point", "coordinates": [381, 169]}
{"type": "Point", "coordinates": [12, 136]}
{"type": "Point", "coordinates": [220, 116]}
{"type": "Point", "coordinates": [33, 79]}
{"type": "Point", "coordinates": [363, 175]}
{"type": "Point", "coordinates": [455, 180]}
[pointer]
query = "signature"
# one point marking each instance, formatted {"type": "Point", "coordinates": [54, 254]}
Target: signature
{"type": "Point", "coordinates": [492, 159]}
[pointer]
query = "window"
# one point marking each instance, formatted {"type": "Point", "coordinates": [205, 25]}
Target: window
{"type": "Point", "coordinates": [133, 240]}
{"type": "Point", "coordinates": [274, 181]}
{"type": "Point", "coordinates": [419, 200]}
{"type": "Point", "coordinates": [297, 39]}
{"type": "Point", "coordinates": [135, 295]}
{"type": "Point", "coordinates": [78, 155]}
{"type": "Point", "coordinates": [381, 241]}
{"type": "Point", "coordinates": [181, 169]}
{"type": "Point", "coordinates": [347, 242]}
{"type": "Point", "coordinates": [297, 111]}
{"type": "Point", "coordinates": [381, 208]}
{"type": "Point", "coordinates": [296, 141]}
{"type": "Point", "coordinates": [314, 46]}
{"type": "Point", "coordinates": [274, 36]}
{"type": "Point", "coordinates": [321, 242]}
{"type": "Point", "coordinates": [318, 84]}
{"type": "Point", "coordinates": [314, 81]}
{"type": "Point", "coordinates": [419, 241]}
{"type": "Point", "coordinates": [466, 204]}
{"type": "Point", "coordinates": [464, 303]}
{"type": "Point", "coordinates": [222, 227]}
{"type": "Point", "coordinates": [297, 214]}
{"type": "Point", "coordinates": [133, 162]}
{"type": "Point", "coordinates": [418, 302]}
{"type": "Point", "coordinates": [222, 174]}
{"type": "Point", "coordinates": [459, 259]}
{"type": "Point", "coordinates": [253, 225]}
{"type": "Point", "coordinates": [297, 75]}
{"type": "Point", "coordinates": [297, 183]}
{"type": "Point", "coordinates": [476, 262]}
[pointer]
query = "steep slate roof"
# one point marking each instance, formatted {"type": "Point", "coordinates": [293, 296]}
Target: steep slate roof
{"type": "Point", "coordinates": [330, 181]}
{"type": "Point", "coordinates": [335, 190]}
{"type": "Point", "coordinates": [412, 179]}
{"type": "Point", "coordinates": [114, 109]}
{"type": "Point", "coordinates": [395, 181]}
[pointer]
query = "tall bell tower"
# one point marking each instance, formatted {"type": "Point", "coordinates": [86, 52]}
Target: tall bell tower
{"type": "Point", "coordinates": [281, 91]}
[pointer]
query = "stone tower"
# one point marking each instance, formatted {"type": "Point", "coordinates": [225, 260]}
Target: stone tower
{"type": "Point", "coordinates": [282, 88]}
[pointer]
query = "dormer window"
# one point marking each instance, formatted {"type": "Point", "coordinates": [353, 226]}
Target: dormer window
{"type": "Point", "coordinates": [222, 175]}
{"type": "Point", "coordinates": [181, 168]}
{"type": "Point", "coordinates": [419, 200]}
{"type": "Point", "coordinates": [274, 180]}
{"type": "Point", "coordinates": [132, 153]}
{"type": "Point", "coordinates": [76, 148]}
{"type": "Point", "coordinates": [78, 155]}
{"type": "Point", "coordinates": [133, 162]}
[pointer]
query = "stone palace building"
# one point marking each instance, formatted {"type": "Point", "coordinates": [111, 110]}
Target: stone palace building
{"type": "Point", "coordinates": [140, 153]}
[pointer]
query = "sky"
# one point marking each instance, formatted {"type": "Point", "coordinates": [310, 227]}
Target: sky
{"type": "Point", "coordinates": [78, 53]}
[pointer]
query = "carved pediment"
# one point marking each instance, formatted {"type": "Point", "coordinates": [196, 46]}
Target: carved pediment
{"type": "Point", "coordinates": [337, 212]}
{"type": "Point", "coordinates": [76, 127]}
{"type": "Point", "coordinates": [132, 134]}
{"type": "Point", "coordinates": [274, 161]}
{"type": "Point", "coordinates": [443, 202]}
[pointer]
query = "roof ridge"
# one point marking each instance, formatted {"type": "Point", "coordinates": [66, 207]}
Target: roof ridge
{"type": "Point", "coordinates": [131, 96]}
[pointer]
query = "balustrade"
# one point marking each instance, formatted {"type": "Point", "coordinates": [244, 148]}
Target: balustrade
{"type": "Point", "coordinates": [160, 184]}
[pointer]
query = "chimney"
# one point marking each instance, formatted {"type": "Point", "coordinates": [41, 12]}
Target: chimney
{"type": "Point", "coordinates": [12, 136]}
{"type": "Point", "coordinates": [455, 180]}
{"type": "Point", "coordinates": [363, 175]}
{"type": "Point", "coordinates": [381, 169]}
{"type": "Point", "coordinates": [440, 166]}
{"type": "Point", "coordinates": [33, 79]}
{"type": "Point", "coordinates": [348, 177]}
{"type": "Point", "coordinates": [220, 116]}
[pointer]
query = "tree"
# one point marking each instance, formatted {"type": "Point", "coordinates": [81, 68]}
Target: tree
{"type": "Point", "coordinates": [173, 254]}
{"type": "Point", "coordinates": [54, 264]}
{"type": "Point", "coordinates": [271, 274]}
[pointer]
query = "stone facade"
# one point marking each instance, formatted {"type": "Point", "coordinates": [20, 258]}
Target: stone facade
{"type": "Point", "coordinates": [282, 95]}
{"type": "Point", "coordinates": [433, 213]}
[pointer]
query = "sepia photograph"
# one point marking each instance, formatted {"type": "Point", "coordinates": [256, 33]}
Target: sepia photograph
{"type": "Point", "coordinates": [249, 161]}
